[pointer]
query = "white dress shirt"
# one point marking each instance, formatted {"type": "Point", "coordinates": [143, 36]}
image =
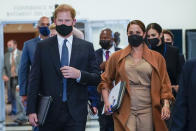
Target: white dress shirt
{"type": "Point", "coordinates": [68, 44]}
{"type": "Point", "coordinates": [111, 50]}
{"type": "Point", "coordinates": [15, 54]}
{"type": "Point", "coordinates": [60, 40]}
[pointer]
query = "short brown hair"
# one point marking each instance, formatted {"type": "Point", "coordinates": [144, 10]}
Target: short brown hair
{"type": "Point", "coordinates": [169, 33]}
{"type": "Point", "coordinates": [65, 7]}
{"type": "Point", "coordinates": [137, 22]}
{"type": "Point", "coordinates": [14, 41]}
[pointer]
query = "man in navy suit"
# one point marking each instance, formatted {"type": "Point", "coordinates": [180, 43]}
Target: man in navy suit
{"type": "Point", "coordinates": [28, 53]}
{"type": "Point", "coordinates": [27, 60]}
{"type": "Point", "coordinates": [63, 67]}
{"type": "Point", "coordinates": [107, 48]}
{"type": "Point", "coordinates": [184, 112]}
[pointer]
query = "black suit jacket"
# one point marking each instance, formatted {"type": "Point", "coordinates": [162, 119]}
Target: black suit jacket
{"type": "Point", "coordinates": [173, 63]}
{"type": "Point", "coordinates": [46, 78]}
{"type": "Point", "coordinates": [99, 55]}
{"type": "Point", "coordinates": [184, 112]}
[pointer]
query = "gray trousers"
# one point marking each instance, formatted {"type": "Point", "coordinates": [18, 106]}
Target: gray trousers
{"type": "Point", "coordinates": [20, 107]}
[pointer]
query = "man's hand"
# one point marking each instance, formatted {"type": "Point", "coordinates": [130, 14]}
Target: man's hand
{"type": "Point", "coordinates": [33, 119]}
{"type": "Point", "coordinates": [5, 78]}
{"type": "Point", "coordinates": [94, 110]}
{"type": "Point", "coordinates": [107, 108]}
{"type": "Point", "coordinates": [24, 99]}
{"type": "Point", "coordinates": [70, 72]}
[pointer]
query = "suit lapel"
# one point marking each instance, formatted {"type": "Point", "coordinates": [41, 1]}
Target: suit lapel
{"type": "Point", "coordinates": [54, 51]}
{"type": "Point", "coordinates": [74, 52]}
{"type": "Point", "coordinates": [8, 60]}
{"type": "Point", "coordinates": [100, 56]}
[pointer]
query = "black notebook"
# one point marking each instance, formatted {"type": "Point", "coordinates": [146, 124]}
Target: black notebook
{"type": "Point", "coordinates": [43, 107]}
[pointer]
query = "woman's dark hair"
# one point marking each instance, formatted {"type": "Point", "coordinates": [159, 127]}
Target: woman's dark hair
{"type": "Point", "coordinates": [154, 26]}
{"type": "Point", "coordinates": [137, 22]}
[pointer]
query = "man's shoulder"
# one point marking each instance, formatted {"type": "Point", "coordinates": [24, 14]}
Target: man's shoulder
{"type": "Point", "coordinates": [100, 50]}
{"type": "Point", "coordinates": [82, 42]}
{"type": "Point", "coordinates": [32, 40]}
{"type": "Point", "coordinates": [47, 41]}
{"type": "Point", "coordinates": [19, 51]}
{"type": "Point", "coordinates": [172, 49]}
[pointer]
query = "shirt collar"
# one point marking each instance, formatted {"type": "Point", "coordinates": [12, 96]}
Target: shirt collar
{"type": "Point", "coordinates": [111, 50]}
{"type": "Point", "coordinates": [40, 37]}
{"type": "Point", "coordinates": [61, 39]}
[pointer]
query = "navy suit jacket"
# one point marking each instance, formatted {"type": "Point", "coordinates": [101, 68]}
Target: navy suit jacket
{"type": "Point", "coordinates": [46, 78]}
{"type": "Point", "coordinates": [99, 55]}
{"type": "Point", "coordinates": [184, 112]}
{"type": "Point", "coordinates": [25, 64]}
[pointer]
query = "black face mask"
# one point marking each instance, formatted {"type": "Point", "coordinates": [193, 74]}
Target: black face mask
{"type": "Point", "coordinates": [169, 43]}
{"type": "Point", "coordinates": [153, 42]}
{"type": "Point", "coordinates": [135, 40]}
{"type": "Point", "coordinates": [105, 44]}
{"type": "Point", "coordinates": [64, 30]}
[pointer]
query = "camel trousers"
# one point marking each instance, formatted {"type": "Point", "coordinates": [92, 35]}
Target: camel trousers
{"type": "Point", "coordinates": [140, 118]}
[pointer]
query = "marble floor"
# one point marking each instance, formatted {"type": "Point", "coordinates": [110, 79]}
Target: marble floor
{"type": "Point", "coordinates": [92, 125]}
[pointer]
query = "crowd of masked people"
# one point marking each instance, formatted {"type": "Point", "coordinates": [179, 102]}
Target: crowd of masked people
{"type": "Point", "coordinates": [159, 94]}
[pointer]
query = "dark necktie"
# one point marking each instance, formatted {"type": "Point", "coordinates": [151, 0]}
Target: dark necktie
{"type": "Point", "coordinates": [107, 55]}
{"type": "Point", "coordinates": [64, 62]}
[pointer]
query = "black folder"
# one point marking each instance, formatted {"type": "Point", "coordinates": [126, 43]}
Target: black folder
{"type": "Point", "coordinates": [44, 103]}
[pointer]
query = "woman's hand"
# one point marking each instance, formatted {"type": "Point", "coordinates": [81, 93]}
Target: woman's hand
{"type": "Point", "coordinates": [165, 112]}
{"type": "Point", "coordinates": [107, 108]}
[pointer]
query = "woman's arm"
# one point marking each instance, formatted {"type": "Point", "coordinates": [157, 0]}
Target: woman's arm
{"type": "Point", "coordinates": [107, 79]}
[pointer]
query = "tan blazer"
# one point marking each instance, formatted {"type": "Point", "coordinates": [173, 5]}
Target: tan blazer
{"type": "Point", "coordinates": [160, 86]}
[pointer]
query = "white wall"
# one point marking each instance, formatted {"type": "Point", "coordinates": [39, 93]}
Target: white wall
{"type": "Point", "coordinates": [169, 13]}
{"type": "Point", "coordinates": [173, 14]}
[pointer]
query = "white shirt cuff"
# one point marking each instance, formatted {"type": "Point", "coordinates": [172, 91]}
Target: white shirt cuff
{"type": "Point", "coordinates": [78, 79]}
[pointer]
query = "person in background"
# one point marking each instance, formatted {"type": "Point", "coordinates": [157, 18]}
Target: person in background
{"type": "Point", "coordinates": [27, 58]}
{"type": "Point", "coordinates": [117, 39]}
{"type": "Point", "coordinates": [28, 53]}
{"type": "Point", "coordinates": [184, 113]}
{"type": "Point", "coordinates": [147, 84]}
{"type": "Point", "coordinates": [10, 71]}
{"type": "Point", "coordinates": [63, 67]}
{"type": "Point", "coordinates": [52, 28]}
{"type": "Point", "coordinates": [169, 52]}
{"type": "Point", "coordinates": [107, 49]}
{"type": "Point", "coordinates": [169, 39]}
